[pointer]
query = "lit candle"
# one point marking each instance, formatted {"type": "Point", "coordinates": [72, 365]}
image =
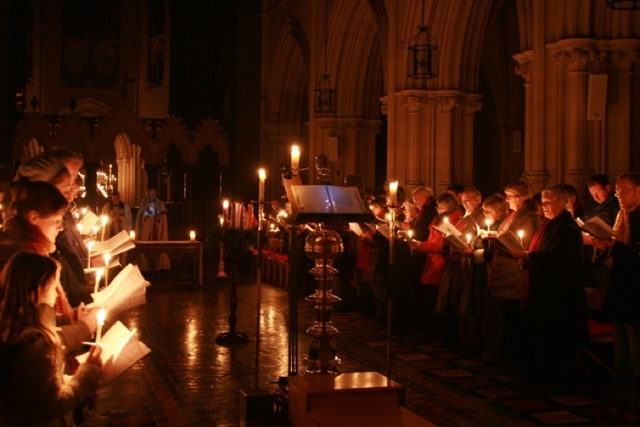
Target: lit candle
{"type": "Point", "coordinates": [225, 211]}
{"type": "Point", "coordinates": [132, 235]}
{"type": "Point", "coordinates": [99, 274]}
{"type": "Point", "coordinates": [84, 211]}
{"type": "Point", "coordinates": [410, 234]}
{"type": "Point", "coordinates": [263, 176]}
{"type": "Point", "coordinates": [272, 227]}
{"type": "Point", "coordinates": [468, 238]}
{"type": "Point", "coordinates": [107, 260]}
{"type": "Point", "coordinates": [101, 316]}
{"type": "Point", "coordinates": [79, 228]}
{"type": "Point", "coordinates": [393, 193]}
{"type": "Point", "coordinates": [445, 219]}
{"type": "Point", "coordinates": [90, 244]}
{"type": "Point", "coordinates": [192, 236]}
{"type": "Point", "coordinates": [76, 215]}
{"type": "Point", "coordinates": [488, 222]}
{"type": "Point", "coordinates": [104, 220]}
{"type": "Point", "coordinates": [95, 230]}
{"type": "Point", "coordinates": [521, 235]}
{"type": "Point", "coordinates": [295, 159]}
{"type": "Point", "coordinates": [221, 221]}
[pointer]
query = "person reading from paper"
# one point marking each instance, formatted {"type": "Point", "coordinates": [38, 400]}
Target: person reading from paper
{"type": "Point", "coordinates": [33, 388]}
{"type": "Point", "coordinates": [119, 214]}
{"type": "Point", "coordinates": [553, 299]}
{"type": "Point", "coordinates": [35, 220]}
{"type": "Point", "coordinates": [151, 225]}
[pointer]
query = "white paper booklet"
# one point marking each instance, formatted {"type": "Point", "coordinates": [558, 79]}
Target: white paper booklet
{"type": "Point", "coordinates": [126, 291]}
{"type": "Point", "coordinates": [120, 350]}
{"type": "Point", "coordinates": [446, 228]}
{"type": "Point", "coordinates": [596, 227]}
{"type": "Point", "coordinates": [117, 244]}
{"type": "Point", "coordinates": [88, 221]}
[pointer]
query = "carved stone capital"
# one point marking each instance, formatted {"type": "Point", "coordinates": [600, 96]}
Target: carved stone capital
{"type": "Point", "coordinates": [448, 103]}
{"type": "Point", "coordinates": [471, 106]}
{"type": "Point", "coordinates": [525, 70]}
{"type": "Point", "coordinates": [413, 104]}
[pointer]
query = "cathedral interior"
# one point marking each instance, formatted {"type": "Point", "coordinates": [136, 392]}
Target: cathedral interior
{"type": "Point", "coordinates": [193, 96]}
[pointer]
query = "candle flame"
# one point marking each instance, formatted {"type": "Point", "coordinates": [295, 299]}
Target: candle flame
{"type": "Point", "coordinates": [225, 204]}
{"type": "Point", "coordinates": [102, 314]}
{"type": "Point", "coordinates": [295, 150]}
{"type": "Point", "coordinates": [262, 174]}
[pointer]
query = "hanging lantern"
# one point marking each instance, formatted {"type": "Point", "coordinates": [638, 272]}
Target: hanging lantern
{"type": "Point", "coordinates": [325, 95]}
{"type": "Point", "coordinates": [424, 57]}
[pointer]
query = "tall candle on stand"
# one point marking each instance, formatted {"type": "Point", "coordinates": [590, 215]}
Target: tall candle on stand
{"type": "Point", "coordinates": [132, 235]}
{"type": "Point", "coordinates": [295, 159]}
{"type": "Point", "coordinates": [225, 212]}
{"type": "Point", "coordinates": [101, 316]}
{"type": "Point", "coordinates": [192, 236]}
{"type": "Point", "coordinates": [263, 176]}
{"type": "Point", "coordinates": [393, 193]}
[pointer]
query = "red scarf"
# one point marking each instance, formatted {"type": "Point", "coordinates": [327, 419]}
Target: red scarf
{"type": "Point", "coordinates": [535, 242]}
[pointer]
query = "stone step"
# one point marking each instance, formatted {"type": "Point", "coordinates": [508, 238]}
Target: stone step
{"type": "Point", "coordinates": [356, 391]}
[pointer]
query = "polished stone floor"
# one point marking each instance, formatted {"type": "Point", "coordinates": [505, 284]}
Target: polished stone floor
{"type": "Point", "coordinates": [190, 380]}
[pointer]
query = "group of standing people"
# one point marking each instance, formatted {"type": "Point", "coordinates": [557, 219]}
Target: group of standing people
{"type": "Point", "coordinates": [522, 306]}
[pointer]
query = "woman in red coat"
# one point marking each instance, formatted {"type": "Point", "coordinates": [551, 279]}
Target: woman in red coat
{"type": "Point", "coordinates": [437, 254]}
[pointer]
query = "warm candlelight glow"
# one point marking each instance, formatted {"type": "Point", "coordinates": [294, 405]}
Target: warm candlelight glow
{"type": "Point", "coordinates": [84, 211]}
{"type": "Point", "coordinates": [520, 235]}
{"type": "Point", "coordinates": [107, 260]}
{"type": "Point", "coordinates": [80, 228]}
{"type": "Point", "coordinates": [192, 236]}
{"type": "Point", "coordinates": [468, 238]}
{"type": "Point", "coordinates": [295, 159]}
{"type": "Point", "coordinates": [263, 176]}
{"type": "Point", "coordinates": [101, 316]}
{"type": "Point", "coordinates": [488, 222]}
{"type": "Point", "coordinates": [104, 220]}
{"type": "Point", "coordinates": [410, 234]}
{"type": "Point", "coordinates": [90, 244]}
{"type": "Point", "coordinates": [99, 274]}
{"type": "Point", "coordinates": [132, 235]}
{"type": "Point", "coordinates": [393, 193]}
{"type": "Point", "coordinates": [446, 219]}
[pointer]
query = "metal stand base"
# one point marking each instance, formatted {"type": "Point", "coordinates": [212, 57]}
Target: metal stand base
{"type": "Point", "coordinates": [231, 337]}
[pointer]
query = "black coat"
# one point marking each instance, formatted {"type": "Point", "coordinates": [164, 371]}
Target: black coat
{"type": "Point", "coordinates": [556, 313]}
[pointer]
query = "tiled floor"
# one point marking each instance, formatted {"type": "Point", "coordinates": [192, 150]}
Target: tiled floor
{"type": "Point", "coordinates": [190, 380]}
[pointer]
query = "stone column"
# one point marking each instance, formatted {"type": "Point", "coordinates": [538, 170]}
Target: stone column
{"type": "Point", "coordinates": [535, 172]}
{"type": "Point", "coordinates": [445, 137]}
{"type": "Point", "coordinates": [413, 109]}
{"type": "Point", "coordinates": [463, 169]}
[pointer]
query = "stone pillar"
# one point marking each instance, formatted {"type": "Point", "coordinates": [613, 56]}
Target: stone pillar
{"type": "Point", "coordinates": [463, 169]}
{"type": "Point", "coordinates": [446, 127]}
{"type": "Point", "coordinates": [535, 172]}
{"type": "Point", "coordinates": [413, 109]}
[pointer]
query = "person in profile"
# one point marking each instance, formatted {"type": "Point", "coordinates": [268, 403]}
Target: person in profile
{"type": "Point", "coordinates": [151, 225]}
{"type": "Point", "coordinates": [119, 214]}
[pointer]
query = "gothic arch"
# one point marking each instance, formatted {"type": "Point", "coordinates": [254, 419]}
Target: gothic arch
{"type": "Point", "coordinates": [288, 83]}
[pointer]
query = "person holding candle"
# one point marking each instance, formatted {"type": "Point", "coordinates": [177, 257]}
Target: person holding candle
{"type": "Point", "coordinates": [553, 299]}
{"type": "Point", "coordinates": [36, 217]}
{"type": "Point", "coordinates": [61, 167]}
{"type": "Point", "coordinates": [505, 343]}
{"type": "Point", "coordinates": [428, 296]}
{"type": "Point", "coordinates": [33, 387]}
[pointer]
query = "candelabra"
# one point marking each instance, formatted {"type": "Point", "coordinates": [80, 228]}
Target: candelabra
{"type": "Point", "coordinates": [323, 247]}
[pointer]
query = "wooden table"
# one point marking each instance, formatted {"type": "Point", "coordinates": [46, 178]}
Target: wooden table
{"type": "Point", "coordinates": [175, 250]}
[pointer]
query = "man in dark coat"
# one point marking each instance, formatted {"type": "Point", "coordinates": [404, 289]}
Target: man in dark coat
{"type": "Point", "coordinates": [553, 299]}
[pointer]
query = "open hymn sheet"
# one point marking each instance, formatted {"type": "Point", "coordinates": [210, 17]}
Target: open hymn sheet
{"type": "Point", "coordinates": [597, 228]}
{"type": "Point", "coordinates": [120, 350]}
{"type": "Point", "coordinates": [116, 245]}
{"type": "Point", "coordinates": [508, 241]}
{"type": "Point", "coordinates": [127, 290]}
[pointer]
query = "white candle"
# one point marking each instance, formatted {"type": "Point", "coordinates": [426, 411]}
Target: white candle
{"type": "Point", "coordinates": [89, 247]}
{"type": "Point", "coordinates": [192, 236]}
{"type": "Point", "coordinates": [295, 159]}
{"type": "Point", "coordinates": [84, 211]}
{"type": "Point", "coordinates": [263, 176]}
{"type": "Point", "coordinates": [95, 231]}
{"type": "Point", "coordinates": [225, 211]}
{"type": "Point", "coordinates": [446, 219]}
{"type": "Point", "coordinates": [80, 228]}
{"type": "Point", "coordinates": [99, 274]}
{"type": "Point", "coordinates": [104, 220]}
{"type": "Point", "coordinates": [132, 235]}
{"type": "Point", "coordinates": [468, 238]}
{"type": "Point", "coordinates": [107, 260]}
{"type": "Point", "coordinates": [101, 316]}
{"type": "Point", "coordinates": [410, 234]}
{"type": "Point", "coordinates": [488, 222]}
{"type": "Point", "coordinates": [521, 235]}
{"type": "Point", "coordinates": [393, 193]}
